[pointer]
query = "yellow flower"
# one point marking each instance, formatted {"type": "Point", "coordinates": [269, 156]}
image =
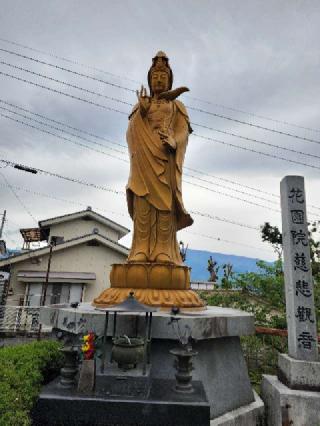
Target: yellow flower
{"type": "Point", "coordinates": [85, 347]}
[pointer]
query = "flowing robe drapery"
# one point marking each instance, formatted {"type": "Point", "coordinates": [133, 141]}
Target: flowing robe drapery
{"type": "Point", "coordinates": [149, 163]}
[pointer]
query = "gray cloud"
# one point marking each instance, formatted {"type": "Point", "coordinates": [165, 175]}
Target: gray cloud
{"type": "Point", "coordinates": [260, 57]}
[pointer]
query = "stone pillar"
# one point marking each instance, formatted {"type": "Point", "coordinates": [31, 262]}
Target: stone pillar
{"type": "Point", "coordinates": [301, 319]}
{"type": "Point", "coordinates": [294, 396]}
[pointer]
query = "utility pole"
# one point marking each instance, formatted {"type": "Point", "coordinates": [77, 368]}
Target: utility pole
{"type": "Point", "coordinates": [2, 222]}
{"type": "Point", "coordinates": [45, 286]}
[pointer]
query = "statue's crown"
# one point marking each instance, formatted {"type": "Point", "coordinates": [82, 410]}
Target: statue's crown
{"type": "Point", "coordinates": [160, 62]}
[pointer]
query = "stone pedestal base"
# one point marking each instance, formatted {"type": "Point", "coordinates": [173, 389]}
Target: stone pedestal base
{"type": "Point", "coordinates": [248, 415]}
{"type": "Point", "coordinates": [219, 365]}
{"type": "Point", "coordinates": [155, 284]}
{"type": "Point", "coordinates": [163, 406]}
{"type": "Point", "coordinates": [298, 374]}
{"type": "Point", "coordinates": [285, 406]}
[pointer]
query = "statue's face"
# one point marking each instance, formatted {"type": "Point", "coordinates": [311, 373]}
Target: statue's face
{"type": "Point", "coordinates": [159, 82]}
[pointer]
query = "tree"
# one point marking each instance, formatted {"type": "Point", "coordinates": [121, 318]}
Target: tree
{"type": "Point", "coordinates": [228, 274]}
{"type": "Point", "coordinates": [272, 235]}
{"type": "Point", "coordinates": [213, 270]}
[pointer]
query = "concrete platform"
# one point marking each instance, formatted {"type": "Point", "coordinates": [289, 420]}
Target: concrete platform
{"type": "Point", "coordinates": [299, 374]}
{"type": "Point", "coordinates": [210, 323]}
{"type": "Point", "coordinates": [219, 365]}
{"type": "Point", "coordinates": [286, 406]}
{"type": "Point", "coordinates": [248, 415]}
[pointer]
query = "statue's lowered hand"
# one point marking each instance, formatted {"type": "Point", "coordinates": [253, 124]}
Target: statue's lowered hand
{"type": "Point", "coordinates": [167, 140]}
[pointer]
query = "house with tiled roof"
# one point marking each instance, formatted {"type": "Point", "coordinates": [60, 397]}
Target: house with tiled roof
{"type": "Point", "coordinates": [73, 263]}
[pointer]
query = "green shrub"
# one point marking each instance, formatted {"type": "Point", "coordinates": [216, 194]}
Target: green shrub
{"type": "Point", "coordinates": [23, 369]}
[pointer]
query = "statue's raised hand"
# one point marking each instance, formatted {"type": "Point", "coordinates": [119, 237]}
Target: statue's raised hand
{"type": "Point", "coordinates": [144, 100]}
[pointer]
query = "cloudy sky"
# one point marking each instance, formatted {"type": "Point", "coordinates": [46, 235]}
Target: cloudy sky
{"type": "Point", "coordinates": [253, 61]}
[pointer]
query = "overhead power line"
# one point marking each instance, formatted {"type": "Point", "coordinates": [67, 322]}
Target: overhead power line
{"type": "Point", "coordinates": [255, 151]}
{"type": "Point", "coordinates": [18, 198]}
{"type": "Point", "coordinates": [67, 60]}
{"type": "Point", "coordinates": [62, 137]}
{"type": "Point", "coordinates": [257, 126]}
{"type": "Point", "coordinates": [242, 186]}
{"type": "Point", "coordinates": [57, 175]}
{"type": "Point", "coordinates": [78, 203]}
{"type": "Point", "coordinates": [194, 124]}
{"type": "Point", "coordinates": [124, 147]}
{"type": "Point", "coordinates": [213, 217]}
{"type": "Point", "coordinates": [64, 131]}
{"type": "Point", "coordinates": [121, 112]}
{"type": "Point", "coordinates": [52, 197]}
{"type": "Point", "coordinates": [232, 196]}
{"type": "Point", "coordinates": [258, 141]}
{"type": "Point", "coordinates": [263, 117]}
{"type": "Point", "coordinates": [46, 172]}
{"type": "Point", "coordinates": [59, 92]}
{"type": "Point", "coordinates": [63, 124]}
{"type": "Point", "coordinates": [73, 86]}
{"type": "Point", "coordinates": [231, 189]}
{"type": "Point", "coordinates": [222, 240]}
{"type": "Point", "coordinates": [112, 156]}
{"type": "Point", "coordinates": [79, 74]}
{"type": "Point", "coordinates": [123, 77]}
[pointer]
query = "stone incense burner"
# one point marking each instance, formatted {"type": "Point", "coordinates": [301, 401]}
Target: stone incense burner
{"type": "Point", "coordinates": [127, 351]}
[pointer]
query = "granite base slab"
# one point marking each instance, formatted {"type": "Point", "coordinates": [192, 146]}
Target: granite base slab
{"type": "Point", "coordinates": [285, 406]}
{"type": "Point", "coordinates": [299, 374]}
{"type": "Point", "coordinates": [163, 406]}
{"type": "Point", "coordinates": [212, 322]}
{"type": "Point", "coordinates": [248, 415]}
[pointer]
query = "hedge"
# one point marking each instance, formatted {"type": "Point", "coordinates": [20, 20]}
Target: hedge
{"type": "Point", "coordinates": [23, 368]}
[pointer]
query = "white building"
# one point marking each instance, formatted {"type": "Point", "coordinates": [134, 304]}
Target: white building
{"type": "Point", "coordinates": [86, 245]}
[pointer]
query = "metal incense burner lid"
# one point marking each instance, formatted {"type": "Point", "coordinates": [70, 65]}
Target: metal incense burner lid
{"type": "Point", "coordinates": [130, 305]}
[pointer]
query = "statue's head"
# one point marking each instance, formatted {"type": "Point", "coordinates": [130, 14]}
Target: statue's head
{"type": "Point", "coordinates": [160, 76]}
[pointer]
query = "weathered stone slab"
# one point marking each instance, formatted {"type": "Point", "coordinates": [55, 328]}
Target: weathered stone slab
{"type": "Point", "coordinates": [210, 323]}
{"type": "Point", "coordinates": [87, 376]}
{"type": "Point", "coordinates": [56, 407]}
{"type": "Point", "coordinates": [248, 415]}
{"type": "Point", "coordinates": [301, 319]}
{"type": "Point", "coordinates": [298, 374]}
{"type": "Point", "coordinates": [285, 406]}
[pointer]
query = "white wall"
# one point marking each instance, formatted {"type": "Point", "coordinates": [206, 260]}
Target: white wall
{"type": "Point", "coordinates": [81, 258]}
{"type": "Point", "coordinates": [79, 227]}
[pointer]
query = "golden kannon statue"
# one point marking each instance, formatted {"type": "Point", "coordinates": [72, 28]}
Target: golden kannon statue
{"type": "Point", "coordinates": [157, 138]}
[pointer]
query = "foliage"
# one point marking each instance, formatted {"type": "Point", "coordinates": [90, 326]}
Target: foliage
{"type": "Point", "coordinates": [262, 294]}
{"type": "Point", "coordinates": [268, 283]}
{"type": "Point", "coordinates": [228, 274]}
{"type": "Point", "coordinates": [272, 235]}
{"type": "Point", "coordinates": [213, 269]}
{"type": "Point", "coordinates": [261, 354]}
{"type": "Point", "coordinates": [259, 293]}
{"type": "Point", "coordinates": [22, 370]}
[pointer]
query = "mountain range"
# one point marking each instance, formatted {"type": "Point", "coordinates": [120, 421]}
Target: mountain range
{"type": "Point", "coordinates": [197, 260]}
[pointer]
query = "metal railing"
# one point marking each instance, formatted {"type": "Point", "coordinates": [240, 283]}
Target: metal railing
{"type": "Point", "coordinates": [19, 319]}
